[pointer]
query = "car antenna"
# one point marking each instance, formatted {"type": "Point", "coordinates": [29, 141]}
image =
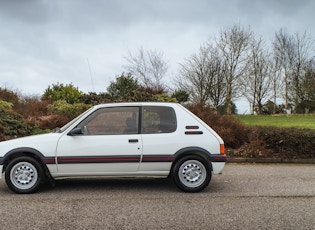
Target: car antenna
{"type": "Point", "coordinates": [90, 74]}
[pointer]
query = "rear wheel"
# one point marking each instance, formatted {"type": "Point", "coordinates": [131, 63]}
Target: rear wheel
{"type": "Point", "coordinates": [24, 175]}
{"type": "Point", "coordinates": [192, 173]}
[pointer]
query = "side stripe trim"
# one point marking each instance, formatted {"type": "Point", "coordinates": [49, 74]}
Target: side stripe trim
{"type": "Point", "coordinates": [109, 159]}
{"type": "Point", "coordinates": [218, 158]}
{"type": "Point", "coordinates": [159, 158]}
{"type": "Point", "coordinates": [121, 159]}
{"type": "Point", "coordinates": [98, 159]}
{"type": "Point", "coordinates": [50, 160]}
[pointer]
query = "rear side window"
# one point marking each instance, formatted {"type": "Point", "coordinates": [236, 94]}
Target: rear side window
{"type": "Point", "coordinates": [158, 119]}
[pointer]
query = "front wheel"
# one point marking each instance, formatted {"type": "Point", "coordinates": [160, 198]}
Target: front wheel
{"type": "Point", "coordinates": [192, 173]}
{"type": "Point", "coordinates": [24, 175]}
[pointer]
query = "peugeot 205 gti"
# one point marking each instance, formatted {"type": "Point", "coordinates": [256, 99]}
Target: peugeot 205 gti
{"type": "Point", "coordinates": [118, 140]}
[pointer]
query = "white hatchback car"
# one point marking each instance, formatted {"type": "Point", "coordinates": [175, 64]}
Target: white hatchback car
{"type": "Point", "coordinates": [118, 140]}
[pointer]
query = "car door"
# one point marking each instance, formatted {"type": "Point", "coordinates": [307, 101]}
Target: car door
{"type": "Point", "coordinates": [109, 143]}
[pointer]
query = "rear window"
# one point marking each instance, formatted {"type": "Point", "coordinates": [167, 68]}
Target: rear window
{"type": "Point", "coordinates": [158, 119]}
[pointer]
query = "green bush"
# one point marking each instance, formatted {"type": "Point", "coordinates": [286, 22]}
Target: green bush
{"type": "Point", "coordinates": [165, 98]}
{"type": "Point", "coordinates": [94, 98]}
{"type": "Point", "coordinates": [123, 89]}
{"type": "Point", "coordinates": [69, 93]}
{"type": "Point", "coordinates": [284, 143]}
{"type": "Point", "coordinates": [9, 96]}
{"type": "Point", "coordinates": [12, 125]}
{"type": "Point", "coordinates": [260, 141]}
{"type": "Point", "coordinates": [181, 96]}
{"type": "Point", "coordinates": [289, 142]}
{"type": "Point", "coordinates": [69, 110]}
{"type": "Point", "coordinates": [5, 105]}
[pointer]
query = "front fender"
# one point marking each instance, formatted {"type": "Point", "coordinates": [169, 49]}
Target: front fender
{"type": "Point", "coordinates": [26, 151]}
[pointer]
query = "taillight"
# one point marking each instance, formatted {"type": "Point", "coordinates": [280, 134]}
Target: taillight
{"type": "Point", "coordinates": [222, 149]}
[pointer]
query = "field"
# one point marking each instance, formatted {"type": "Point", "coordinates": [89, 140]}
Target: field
{"type": "Point", "coordinates": [296, 121]}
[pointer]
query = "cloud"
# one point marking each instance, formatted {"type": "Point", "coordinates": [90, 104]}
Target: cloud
{"type": "Point", "coordinates": [44, 42]}
{"type": "Point", "coordinates": [27, 12]}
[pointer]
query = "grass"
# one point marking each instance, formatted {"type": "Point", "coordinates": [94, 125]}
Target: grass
{"type": "Point", "coordinates": [286, 121]}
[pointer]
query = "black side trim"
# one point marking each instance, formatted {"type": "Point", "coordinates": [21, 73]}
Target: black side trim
{"type": "Point", "coordinates": [218, 158]}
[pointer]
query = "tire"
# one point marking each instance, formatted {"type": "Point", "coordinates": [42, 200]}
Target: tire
{"type": "Point", "coordinates": [192, 173]}
{"type": "Point", "coordinates": [24, 175]}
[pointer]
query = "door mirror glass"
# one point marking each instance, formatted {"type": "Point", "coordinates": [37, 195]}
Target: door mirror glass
{"type": "Point", "coordinates": [75, 132]}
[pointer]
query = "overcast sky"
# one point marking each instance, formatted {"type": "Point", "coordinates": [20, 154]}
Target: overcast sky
{"type": "Point", "coordinates": [43, 42]}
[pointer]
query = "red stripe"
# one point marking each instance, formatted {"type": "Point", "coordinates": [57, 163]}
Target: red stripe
{"type": "Point", "coordinates": [50, 160]}
{"type": "Point", "coordinates": [157, 158]}
{"type": "Point", "coordinates": [109, 159]}
{"type": "Point", "coordinates": [219, 158]}
{"type": "Point", "coordinates": [97, 159]}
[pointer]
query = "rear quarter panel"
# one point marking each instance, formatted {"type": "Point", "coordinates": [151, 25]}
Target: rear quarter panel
{"type": "Point", "coordinates": [190, 132]}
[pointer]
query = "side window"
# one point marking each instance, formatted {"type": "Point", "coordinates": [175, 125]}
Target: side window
{"type": "Point", "coordinates": [158, 119]}
{"type": "Point", "coordinates": [112, 121]}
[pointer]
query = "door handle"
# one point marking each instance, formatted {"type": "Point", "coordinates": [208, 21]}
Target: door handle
{"type": "Point", "coordinates": [133, 140]}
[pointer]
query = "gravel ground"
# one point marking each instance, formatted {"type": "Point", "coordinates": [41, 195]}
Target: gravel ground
{"type": "Point", "coordinates": [246, 196]}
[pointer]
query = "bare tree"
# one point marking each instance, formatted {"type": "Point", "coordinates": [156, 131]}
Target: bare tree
{"type": "Point", "coordinates": [298, 62]}
{"type": "Point", "coordinates": [202, 77]}
{"type": "Point", "coordinates": [292, 54]}
{"type": "Point", "coordinates": [282, 46]}
{"type": "Point", "coordinates": [233, 44]}
{"type": "Point", "coordinates": [308, 88]}
{"type": "Point", "coordinates": [276, 81]}
{"type": "Point", "coordinates": [257, 82]}
{"type": "Point", "coordinates": [148, 67]}
{"type": "Point", "coordinates": [193, 77]}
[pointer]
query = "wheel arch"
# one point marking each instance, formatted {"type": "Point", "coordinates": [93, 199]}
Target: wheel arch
{"type": "Point", "coordinates": [197, 151]}
{"type": "Point", "coordinates": [29, 152]}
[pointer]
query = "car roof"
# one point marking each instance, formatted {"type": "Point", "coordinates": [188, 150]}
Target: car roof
{"type": "Point", "coordinates": [121, 104]}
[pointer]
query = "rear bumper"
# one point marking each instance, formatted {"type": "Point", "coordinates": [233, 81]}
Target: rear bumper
{"type": "Point", "coordinates": [218, 158]}
{"type": "Point", "coordinates": [1, 167]}
{"type": "Point", "coordinates": [218, 163]}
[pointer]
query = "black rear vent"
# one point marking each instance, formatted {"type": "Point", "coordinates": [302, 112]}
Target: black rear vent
{"type": "Point", "coordinates": [192, 129]}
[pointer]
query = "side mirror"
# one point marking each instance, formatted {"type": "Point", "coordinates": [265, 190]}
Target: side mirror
{"type": "Point", "coordinates": [75, 132]}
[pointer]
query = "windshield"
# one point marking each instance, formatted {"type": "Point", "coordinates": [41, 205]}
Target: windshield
{"type": "Point", "coordinates": [66, 126]}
